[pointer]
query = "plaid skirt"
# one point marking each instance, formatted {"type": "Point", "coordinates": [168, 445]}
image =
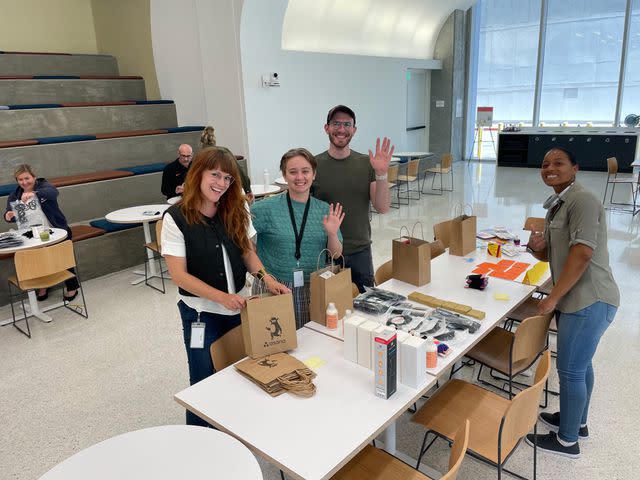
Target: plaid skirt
{"type": "Point", "coordinates": [301, 299]}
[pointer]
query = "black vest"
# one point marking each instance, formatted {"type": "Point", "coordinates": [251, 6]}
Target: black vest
{"type": "Point", "coordinates": [204, 253]}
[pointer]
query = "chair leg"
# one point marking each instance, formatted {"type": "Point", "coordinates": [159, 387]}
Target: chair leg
{"type": "Point", "coordinates": [535, 450]}
{"type": "Point", "coordinates": [13, 314]}
{"type": "Point", "coordinates": [78, 310]}
{"type": "Point", "coordinates": [282, 475]}
{"type": "Point", "coordinates": [159, 259]}
{"type": "Point", "coordinates": [606, 187]}
{"type": "Point", "coordinates": [423, 450]}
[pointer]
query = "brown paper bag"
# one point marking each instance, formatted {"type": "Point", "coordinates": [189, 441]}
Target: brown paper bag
{"type": "Point", "coordinates": [411, 258]}
{"type": "Point", "coordinates": [462, 234]}
{"type": "Point", "coordinates": [279, 373]}
{"type": "Point", "coordinates": [335, 288]}
{"type": "Point", "coordinates": [268, 325]}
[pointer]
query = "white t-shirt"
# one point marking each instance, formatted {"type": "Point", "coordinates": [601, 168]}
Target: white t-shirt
{"type": "Point", "coordinates": [172, 241]}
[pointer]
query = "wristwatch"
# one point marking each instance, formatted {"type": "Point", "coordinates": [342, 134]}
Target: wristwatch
{"type": "Point", "coordinates": [529, 250]}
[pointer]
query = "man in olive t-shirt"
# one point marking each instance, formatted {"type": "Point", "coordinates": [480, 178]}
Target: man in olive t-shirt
{"type": "Point", "coordinates": [353, 180]}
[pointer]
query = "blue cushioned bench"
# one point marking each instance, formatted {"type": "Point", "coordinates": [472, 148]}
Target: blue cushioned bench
{"type": "Point", "coordinates": [144, 169]}
{"type": "Point", "coordinates": [110, 227]}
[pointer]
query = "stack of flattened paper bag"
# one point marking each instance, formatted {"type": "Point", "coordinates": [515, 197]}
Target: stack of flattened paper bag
{"type": "Point", "coordinates": [279, 373]}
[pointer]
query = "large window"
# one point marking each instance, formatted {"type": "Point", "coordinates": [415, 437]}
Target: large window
{"type": "Point", "coordinates": [507, 58]}
{"type": "Point", "coordinates": [631, 92]}
{"type": "Point", "coordinates": [582, 61]}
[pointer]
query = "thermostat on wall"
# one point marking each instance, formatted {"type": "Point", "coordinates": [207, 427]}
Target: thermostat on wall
{"type": "Point", "coordinates": [271, 80]}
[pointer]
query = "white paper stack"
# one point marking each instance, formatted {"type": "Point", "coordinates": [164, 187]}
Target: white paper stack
{"type": "Point", "coordinates": [402, 336]}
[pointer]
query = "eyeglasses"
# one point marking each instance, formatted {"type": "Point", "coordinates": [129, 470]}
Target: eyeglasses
{"type": "Point", "coordinates": [336, 125]}
{"type": "Point", "coordinates": [227, 179]}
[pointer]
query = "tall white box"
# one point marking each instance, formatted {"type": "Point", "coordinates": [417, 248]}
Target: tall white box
{"type": "Point", "coordinates": [351, 337]}
{"type": "Point", "coordinates": [364, 342]}
{"type": "Point", "coordinates": [402, 336]}
{"type": "Point", "coordinates": [377, 331]}
{"type": "Point", "coordinates": [414, 361]}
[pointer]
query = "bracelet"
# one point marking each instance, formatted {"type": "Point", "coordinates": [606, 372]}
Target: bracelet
{"type": "Point", "coordinates": [260, 274]}
{"type": "Point", "coordinates": [381, 177]}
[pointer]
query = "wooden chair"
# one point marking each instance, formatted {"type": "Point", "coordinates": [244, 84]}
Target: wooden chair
{"type": "Point", "coordinates": [441, 232]}
{"type": "Point", "coordinates": [444, 167]}
{"type": "Point", "coordinates": [534, 224]}
{"type": "Point", "coordinates": [392, 178]}
{"type": "Point", "coordinates": [384, 272]}
{"type": "Point", "coordinates": [497, 424]}
{"type": "Point", "coordinates": [614, 179]}
{"type": "Point", "coordinates": [156, 248]}
{"type": "Point", "coordinates": [228, 349]}
{"type": "Point", "coordinates": [511, 353]}
{"type": "Point", "coordinates": [44, 268]}
{"type": "Point", "coordinates": [437, 248]}
{"type": "Point", "coordinates": [410, 176]}
{"type": "Point", "coordinates": [375, 464]}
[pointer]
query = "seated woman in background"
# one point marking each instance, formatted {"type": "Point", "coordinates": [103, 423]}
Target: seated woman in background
{"type": "Point", "coordinates": [206, 244]}
{"type": "Point", "coordinates": [295, 227]}
{"type": "Point", "coordinates": [208, 139]}
{"type": "Point", "coordinates": [28, 187]}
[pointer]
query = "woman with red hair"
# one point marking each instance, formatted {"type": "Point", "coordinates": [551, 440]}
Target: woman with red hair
{"type": "Point", "coordinates": [207, 247]}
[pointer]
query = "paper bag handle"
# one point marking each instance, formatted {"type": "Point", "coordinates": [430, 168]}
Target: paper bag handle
{"type": "Point", "coordinates": [262, 286]}
{"type": "Point", "coordinates": [421, 230]}
{"type": "Point", "coordinates": [406, 228]}
{"type": "Point", "coordinates": [333, 257]}
{"type": "Point", "coordinates": [460, 209]}
{"type": "Point", "coordinates": [302, 385]}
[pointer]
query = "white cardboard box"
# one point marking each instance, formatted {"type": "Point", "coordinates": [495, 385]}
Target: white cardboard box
{"type": "Point", "coordinates": [402, 336]}
{"type": "Point", "coordinates": [364, 342]}
{"type": "Point", "coordinates": [414, 358]}
{"type": "Point", "coordinates": [351, 337]}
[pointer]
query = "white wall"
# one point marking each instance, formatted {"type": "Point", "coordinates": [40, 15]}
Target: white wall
{"type": "Point", "coordinates": [293, 115]}
{"type": "Point", "coordinates": [197, 56]}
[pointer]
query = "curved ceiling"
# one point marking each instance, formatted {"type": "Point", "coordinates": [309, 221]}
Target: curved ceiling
{"type": "Point", "coordinates": [402, 28]}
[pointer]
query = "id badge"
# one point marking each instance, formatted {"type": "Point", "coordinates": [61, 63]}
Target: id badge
{"type": "Point", "coordinates": [197, 334]}
{"type": "Point", "coordinates": [298, 277]}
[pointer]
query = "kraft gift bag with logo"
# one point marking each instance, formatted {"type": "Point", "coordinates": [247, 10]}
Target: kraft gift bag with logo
{"type": "Point", "coordinates": [411, 258]}
{"type": "Point", "coordinates": [279, 373]}
{"type": "Point", "coordinates": [329, 284]}
{"type": "Point", "coordinates": [462, 231]}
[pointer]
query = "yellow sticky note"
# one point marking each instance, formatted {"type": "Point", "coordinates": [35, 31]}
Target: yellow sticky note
{"type": "Point", "coordinates": [500, 296]}
{"type": "Point", "coordinates": [314, 362]}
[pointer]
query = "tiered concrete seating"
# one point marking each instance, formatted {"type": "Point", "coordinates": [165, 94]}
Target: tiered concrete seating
{"type": "Point", "coordinates": [98, 139]}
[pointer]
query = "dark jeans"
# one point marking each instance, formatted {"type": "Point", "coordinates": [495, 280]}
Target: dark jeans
{"type": "Point", "coordinates": [199, 359]}
{"type": "Point", "coordinates": [361, 265]}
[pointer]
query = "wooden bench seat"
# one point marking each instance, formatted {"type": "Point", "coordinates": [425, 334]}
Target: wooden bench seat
{"type": "Point", "coordinates": [88, 177]}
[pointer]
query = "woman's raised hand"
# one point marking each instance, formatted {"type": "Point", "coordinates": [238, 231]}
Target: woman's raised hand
{"type": "Point", "coordinates": [332, 221]}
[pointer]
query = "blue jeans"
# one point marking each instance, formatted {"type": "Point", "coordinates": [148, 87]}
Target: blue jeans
{"type": "Point", "coordinates": [199, 359]}
{"type": "Point", "coordinates": [361, 265]}
{"type": "Point", "coordinates": [578, 337]}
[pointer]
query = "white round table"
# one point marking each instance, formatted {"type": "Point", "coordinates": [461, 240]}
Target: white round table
{"type": "Point", "coordinates": [141, 214]}
{"type": "Point", "coordinates": [259, 189]}
{"type": "Point", "coordinates": [412, 155]}
{"type": "Point", "coordinates": [169, 452]}
{"type": "Point", "coordinates": [280, 181]}
{"type": "Point", "coordinates": [174, 200]}
{"type": "Point", "coordinates": [58, 235]}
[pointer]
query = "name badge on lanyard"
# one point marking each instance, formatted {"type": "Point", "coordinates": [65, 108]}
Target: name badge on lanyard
{"type": "Point", "coordinates": [197, 333]}
{"type": "Point", "coordinates": [298, 273]}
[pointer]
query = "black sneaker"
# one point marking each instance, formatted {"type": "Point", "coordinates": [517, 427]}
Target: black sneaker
{"type": "Point", "coordinates": [552, 420]}
{"type": "Point", "coordinates": [549, 443]}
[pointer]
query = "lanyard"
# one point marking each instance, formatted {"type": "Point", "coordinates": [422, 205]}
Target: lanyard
{"type": "Point", "coordinates": [295, 228]}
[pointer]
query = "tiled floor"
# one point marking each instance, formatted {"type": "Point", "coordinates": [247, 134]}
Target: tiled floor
{"type": "Point", "coordinates": [77, 382]}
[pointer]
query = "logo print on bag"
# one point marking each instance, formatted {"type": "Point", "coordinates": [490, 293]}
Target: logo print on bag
{"type": "Point", "coordinates": [277, 329]}
{"type": "Point", "coordinates": [267, 362]}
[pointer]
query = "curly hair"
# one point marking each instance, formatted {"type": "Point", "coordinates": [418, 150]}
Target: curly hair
{"type": "Point", "coordinates": [231, 207]}
{"type": "Point", "coordinates": [208, 137]}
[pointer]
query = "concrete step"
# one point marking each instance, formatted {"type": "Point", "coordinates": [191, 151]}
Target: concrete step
{"type": "Point", "coordinates": [34, 64]}
{"type": "Point", "coordinates": [87, 201]}
{"type": "Point", "coordinates": [94, 257]}
{"type": "Point", "coordinates": [23, 92]}
{"type": "Point", "coordinates": [72, 158]}
{"type": "Point", "coordinates": [48, 122]}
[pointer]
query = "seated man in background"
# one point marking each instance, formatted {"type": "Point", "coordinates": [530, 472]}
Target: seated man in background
{"type": "Point", "coordinates": [175, 172]}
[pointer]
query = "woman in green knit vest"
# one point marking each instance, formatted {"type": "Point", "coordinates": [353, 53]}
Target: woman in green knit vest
{"type": "Point", "coordinates": [295, 227]}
